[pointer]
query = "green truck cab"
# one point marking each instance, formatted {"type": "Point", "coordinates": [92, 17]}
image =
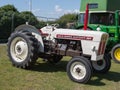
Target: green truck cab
{"type": "Point", "coordinates": [104, 16]}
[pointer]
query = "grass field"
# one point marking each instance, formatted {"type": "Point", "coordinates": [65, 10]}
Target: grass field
{"type": "Point", "coordinates": [45, 76]}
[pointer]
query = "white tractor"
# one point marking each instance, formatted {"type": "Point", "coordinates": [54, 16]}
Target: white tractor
{"type": "Point", "coordinates": [86, 48]}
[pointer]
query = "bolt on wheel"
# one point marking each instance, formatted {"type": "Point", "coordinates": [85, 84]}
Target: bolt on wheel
{"type": "Point", "coordinates": [22, 49]}
{"type": "Point", "coordinates": [19, 49]}
{"type": "Point", "coordinates": [79, 69]}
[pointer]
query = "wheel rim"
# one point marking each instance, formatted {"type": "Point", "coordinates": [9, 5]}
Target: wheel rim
{"type": "Point", "coordinates": [99, 65]}
{"type": "Point", "coordinates": [19, 49]}
{"type": "Point", "coordinates": [117, 54]}
{"type": "Point", "coordinates": [78, 70]}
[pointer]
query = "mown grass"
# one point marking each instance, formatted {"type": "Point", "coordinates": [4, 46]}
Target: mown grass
{"type": "Point", "coordinates": [45, 76]}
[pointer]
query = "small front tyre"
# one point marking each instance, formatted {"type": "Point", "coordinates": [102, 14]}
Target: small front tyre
{"type": "Point", "coordinates": [79, 69]}
{"type": "Point", "coordinates": [102, 66]}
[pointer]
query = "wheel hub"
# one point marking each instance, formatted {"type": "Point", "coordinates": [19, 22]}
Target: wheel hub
{"type": "Point", "coordinates": [20, 47]}
{"type": "Point", "coordinates": [78, 70]}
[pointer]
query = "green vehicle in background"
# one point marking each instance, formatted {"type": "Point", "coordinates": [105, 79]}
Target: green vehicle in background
{"type": "Point", "coordinates": [104, 15]}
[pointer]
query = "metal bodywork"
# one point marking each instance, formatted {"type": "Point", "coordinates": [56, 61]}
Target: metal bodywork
{"type": "Point", "coordinates": [76, 42]}
{"type": "Point", "coordinates": [68, 42]}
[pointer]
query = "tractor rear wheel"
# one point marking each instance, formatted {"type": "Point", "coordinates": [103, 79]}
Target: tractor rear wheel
{"type": "Point", "coordinates": [22, 49]}
{"type": "Point", "coordinates": [102, 66]}
{"type": "Point", "coordinates": [79, 69]}
{"type": "Point", "coordinates": [115, 53]}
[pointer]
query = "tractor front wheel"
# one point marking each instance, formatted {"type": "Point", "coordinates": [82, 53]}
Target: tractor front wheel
{"type": "Point", "coordinates": [102, 66]}
{"type": "Point", "coordinates": [79, 69]}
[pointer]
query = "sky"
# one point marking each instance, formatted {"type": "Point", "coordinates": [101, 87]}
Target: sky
{"type": "Point", "coordinates": [45, 8]}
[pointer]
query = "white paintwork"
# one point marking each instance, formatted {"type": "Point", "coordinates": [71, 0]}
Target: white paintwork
{"type": "Point", "coordinates": [48, 29]}
{"type": "Point", "coordinates": [89, 47]}
{"type": "Point", "coordinates": [39, 38]}
{"type": "Point", "coordinates": [96, 35]}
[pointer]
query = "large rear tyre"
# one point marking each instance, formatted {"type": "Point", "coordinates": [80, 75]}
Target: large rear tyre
{"type": "Point", "coordinates": [115, 53]}
{"type": "Point", "coordinates": [102, 66]}
{"type": "Point", "coordinates": [22, 49]}
{"type": "Point", "coordinates": [79, 69]}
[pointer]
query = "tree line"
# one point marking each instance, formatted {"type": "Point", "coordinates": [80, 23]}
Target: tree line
{"type": "Point", "coordinates": [10, 18]}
